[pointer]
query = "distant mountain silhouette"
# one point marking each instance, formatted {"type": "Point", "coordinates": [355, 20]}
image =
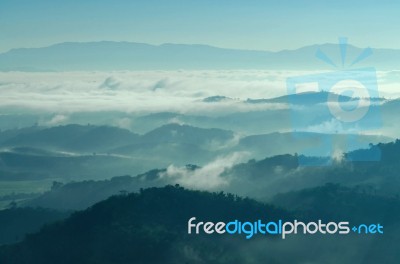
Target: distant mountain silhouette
{"type": "Point", "coordinates": [74, 138]}
{"type": "Point", "coordinates": [299, 142]}
{"type": "Point", "coordinates": [260, 179]}
{"type": "Point", "coordinates": [99, 152]}
{"type": "Point", "coordinates": [107, 55]}
{"type": "Point", "coordinates": [217, 98]}
{"type": "Point", "coordinates": [187, 134]}
{"type": "Point", "coordinates": [306, 98]}
{"type": "Point", "coordinates": [105, 138]}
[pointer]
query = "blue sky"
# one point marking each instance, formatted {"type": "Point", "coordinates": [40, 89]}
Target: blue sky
{"type": "Point", "coordinates": [251, 24]}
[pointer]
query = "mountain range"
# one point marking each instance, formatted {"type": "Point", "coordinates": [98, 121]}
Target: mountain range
{"type": "Point", "coordinates": [108, 55]}
{"type": "Point", "coordinates": [262, 179]}
{"type": "Point", "coordinates": [98, 152]}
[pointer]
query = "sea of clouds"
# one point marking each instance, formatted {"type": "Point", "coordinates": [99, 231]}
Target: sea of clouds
{"type": "Point", "coordinates": [153, 91]}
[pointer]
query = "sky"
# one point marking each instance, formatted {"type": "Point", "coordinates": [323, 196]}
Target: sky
{"type": "Point", "coordinates": [251, 24]}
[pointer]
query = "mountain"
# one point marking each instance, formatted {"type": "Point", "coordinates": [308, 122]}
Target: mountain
{"type": "Point", "coordinates": [324, 202]}
{"type": "Point", "coordinates": [73, 138]}
{"type": "Point", "coordinates": [145, 227]}
{"type": "Point", "coordinates": [266, 145]}
{"type": "Point", "coordinates": [151, 227]}
{"type": "Point", "coordinates": [107, 55]}
{"type": "Point", "coordinates": [72, 152]}
{"type": "Point", "coordinates": [82, 194]}
{"type": "Point", "coordinates": [180, 144]}
{"type": "Point", "coordinates": [306, 98]}
{"type": "Point", "coordinates": [90, 138]}
{"type": "Point", "coordinates": [27, 166]}
{"type": "Point", "coordinates": [15, 223]}
{"type": "Point", "coordinates": [261, 179]}
{"type": "Point", "coordinates": [188, 134]}
{"type": "Point", "coordinates": [217, 99]}
{"type": "Point", "coordinates": [96, 152]}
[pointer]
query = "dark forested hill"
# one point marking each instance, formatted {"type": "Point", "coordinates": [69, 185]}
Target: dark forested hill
{"type": "Point", "coordinates": [148, 227]}
{"type": "Point", "coordinates": [16, 222]}
{"type": "Point", "coordinates": [151, 227]}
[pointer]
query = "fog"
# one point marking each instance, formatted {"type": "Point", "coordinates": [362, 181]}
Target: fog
{"type": "Point", "coordinates": [153, 91]}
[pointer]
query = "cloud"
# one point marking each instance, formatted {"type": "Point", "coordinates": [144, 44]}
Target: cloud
{"type": "Point", "coordinates": [328, 127]}
{"type": "Point", "coordinates": [156, 91]}
{"type": "Point", "coordinates": [176, 120]}
{"type": "Point", "coordinates": [143, 91]}
{"type": "Point", "coordinates": [124, 122]}
{"type": "Point", "coordinates": [216, 145]}
{"type": "Point", "coordinates": [207, 177]}
{"type": "Point", "coordinates": [56, 120]}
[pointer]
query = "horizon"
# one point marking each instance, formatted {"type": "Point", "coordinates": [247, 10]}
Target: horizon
{"type": "Point", "coordinates": [131, 131]}
{"type": "Point", "coordinates": [264, 25]}
{"type": "Point", "coordinates": [191, 44]}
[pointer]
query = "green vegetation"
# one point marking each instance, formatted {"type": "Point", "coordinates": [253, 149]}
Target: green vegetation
{"type": "Point", "coordinates": [15, 223]}
{"type": "Point", "coordinates": [151, 227]}
{"type": "Point", "coordinates": [148, 227]}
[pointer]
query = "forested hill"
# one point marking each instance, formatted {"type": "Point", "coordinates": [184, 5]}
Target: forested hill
{"type": "Point", "coordinates": [148, 227]}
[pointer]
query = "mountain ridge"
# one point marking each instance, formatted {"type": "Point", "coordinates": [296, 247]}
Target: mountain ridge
{"type": "Point", "coordinates": [111, 55]}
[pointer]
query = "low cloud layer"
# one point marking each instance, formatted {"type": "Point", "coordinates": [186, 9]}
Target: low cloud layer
{"type": "Point", "coordinates": [152, 91]}
{"type": "Point", "coordinates": [60, 95]}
